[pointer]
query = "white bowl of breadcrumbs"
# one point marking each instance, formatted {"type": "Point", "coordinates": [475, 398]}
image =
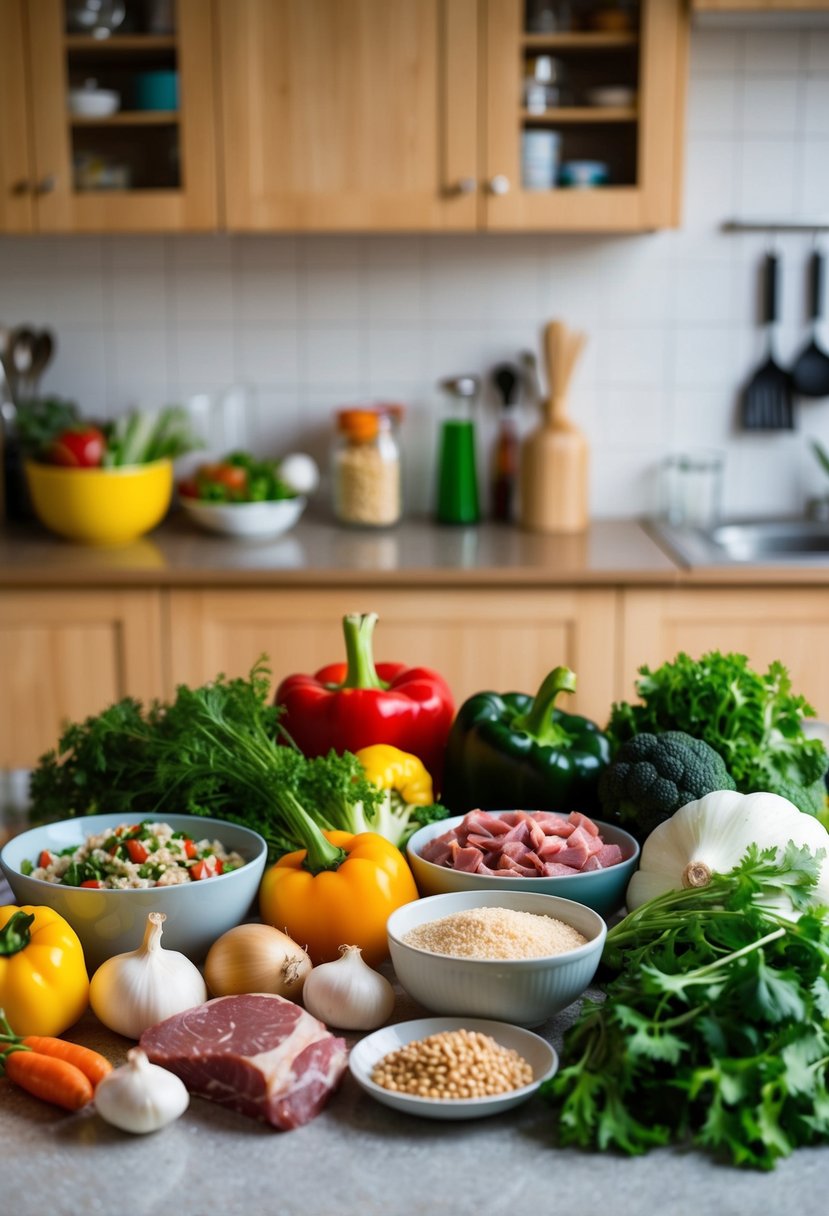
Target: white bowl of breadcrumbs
{"type": "Point", "coordinates": [514, 956]}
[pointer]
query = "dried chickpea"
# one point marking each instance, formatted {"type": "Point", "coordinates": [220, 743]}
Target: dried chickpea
{"type": "Point", "coordinates": [452, 1065]}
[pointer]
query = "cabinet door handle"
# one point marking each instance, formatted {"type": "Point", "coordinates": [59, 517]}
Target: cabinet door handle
{"type": "Point", "coordinates": [499, 184]}
{"type": "Point", "coordinates": [464, 185]}
{"type": "Point", "coordinates": [46, 184]}
{"type": "Point", "coordinates": [22, 186]}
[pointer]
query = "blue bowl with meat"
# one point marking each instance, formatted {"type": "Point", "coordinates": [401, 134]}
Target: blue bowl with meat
{"type": "Point", "coordinates": [571, 856]}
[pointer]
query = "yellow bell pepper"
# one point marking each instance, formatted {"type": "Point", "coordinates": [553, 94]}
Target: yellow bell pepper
{"type": "Point", "coordinates": [347, 903]}
{"type": "Point", "coordinates": [44, 987]}
{"type": "Point", "coordinates": [404, 774]}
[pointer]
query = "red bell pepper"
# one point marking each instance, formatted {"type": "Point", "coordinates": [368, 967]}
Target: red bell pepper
{"type": "Point", "coordinates": [346, 706]}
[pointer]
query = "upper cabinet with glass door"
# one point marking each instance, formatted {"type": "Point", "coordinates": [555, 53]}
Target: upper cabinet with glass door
{"type": "Point", "coordinates": [584, 106]}
{"type": "Point", "coordinates": [121, 106]}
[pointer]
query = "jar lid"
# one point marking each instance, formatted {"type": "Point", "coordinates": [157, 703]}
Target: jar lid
{"type": "Point", "coordinates": [363, 422]}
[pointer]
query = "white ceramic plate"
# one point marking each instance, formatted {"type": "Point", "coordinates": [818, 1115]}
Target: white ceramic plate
{"type": "Point", "coordinates": [262, 520]}
{"type": "Point", "coordinates": [369, 1051]}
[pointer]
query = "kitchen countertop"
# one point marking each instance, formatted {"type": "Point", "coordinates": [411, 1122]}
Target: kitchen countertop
{"type": "Point", "coordinates": [358, 1158]}
{"type": "Point", "coordinates": [320, 553]}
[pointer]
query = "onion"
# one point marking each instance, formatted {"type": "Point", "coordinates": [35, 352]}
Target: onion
{"type": "Point", "coordinates": [256, 958]}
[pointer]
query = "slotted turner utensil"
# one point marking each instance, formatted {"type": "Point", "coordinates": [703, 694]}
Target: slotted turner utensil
{"type": "Point", "coordinates": [810, 373]}
{"type": "Point", "coordinates": [767, 398]}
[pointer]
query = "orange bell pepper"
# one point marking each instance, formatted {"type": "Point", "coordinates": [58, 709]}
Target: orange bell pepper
{"type": "Point", "coordinates": [341, 891]}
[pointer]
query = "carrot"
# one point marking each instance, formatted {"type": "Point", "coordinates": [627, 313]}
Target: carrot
{"type": "Point", "coordinates": [46, 1077]}
{"type": "Point", "coordinates": [91, 1063]}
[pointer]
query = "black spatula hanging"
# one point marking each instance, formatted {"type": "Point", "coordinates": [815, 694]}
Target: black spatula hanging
{"type": "Point", "coordinates": [767, 398]}
{"type": "Point", "coordinates": [810, 372]}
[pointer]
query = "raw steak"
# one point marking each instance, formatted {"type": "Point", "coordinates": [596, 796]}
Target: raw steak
{"type": "Point", "coordinates": [259, 1054]}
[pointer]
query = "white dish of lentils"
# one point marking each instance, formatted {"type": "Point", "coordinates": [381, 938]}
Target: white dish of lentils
{"type": "Point", "coordinates": [132, 856]}
{"type": "Point", "coordinates": [504, 1064]}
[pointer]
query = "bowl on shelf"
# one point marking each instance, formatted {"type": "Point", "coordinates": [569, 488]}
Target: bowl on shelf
{"type": "Point", "coordinates": [367, 1054]}
{"type": "Point", "coordinates": [111, 922]}
{"type": "Point", "coordinates": [246, 520]}
{"type": "Point", "coordinates": [611, 95]}
{"type": "Point", "coordinates": [100, 506]}
{"type": "Point", "coordinates": [522, 991]}
{"type": "Point", "coordinates": [601, 890]}
{"type": "Point", "coordinates": [93, 102]}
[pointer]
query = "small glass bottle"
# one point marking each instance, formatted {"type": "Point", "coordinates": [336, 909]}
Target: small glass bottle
{"type": "Point", "coordinates": [365, 466]}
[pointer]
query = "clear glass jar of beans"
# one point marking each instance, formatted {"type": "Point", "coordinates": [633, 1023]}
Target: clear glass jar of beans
{"type": "Point", "coordinates": [365, 466]}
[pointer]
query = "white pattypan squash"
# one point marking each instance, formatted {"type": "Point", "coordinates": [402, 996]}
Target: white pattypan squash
{"type": "Point", "coordinates": [712, 835]}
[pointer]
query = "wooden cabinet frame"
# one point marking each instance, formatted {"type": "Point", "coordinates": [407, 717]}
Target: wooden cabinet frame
{"type": "Point", "coordinates": [54, 204]}
{"type": "Point", "coordinates": [654, 201]}
{"type": "Point", "coordinates": [476, 637]}
{"type": "Point", "coordinates": [67, 654]}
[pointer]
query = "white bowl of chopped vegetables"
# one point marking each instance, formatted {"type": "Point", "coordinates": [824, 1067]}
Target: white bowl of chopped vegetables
{"type": "Point", "coordinates": [253, 520]}
{"type": "Point", "coordinates": [104, 875]}
{"type": "Point", "coordinates": [513, 956]}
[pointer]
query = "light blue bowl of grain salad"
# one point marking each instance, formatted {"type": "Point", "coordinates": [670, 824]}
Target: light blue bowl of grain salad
{"type": "Point", "coordinates": [203, 887]}
{"type": "Point", "coordinates": [513, 956]}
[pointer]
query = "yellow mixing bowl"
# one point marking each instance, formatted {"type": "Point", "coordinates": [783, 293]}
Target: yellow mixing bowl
{"type": "Point", "coordinates": [101, 506]}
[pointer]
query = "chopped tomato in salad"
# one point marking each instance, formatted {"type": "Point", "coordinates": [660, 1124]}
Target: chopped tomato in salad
{"type": "Point", "coordinates": [135, 855]}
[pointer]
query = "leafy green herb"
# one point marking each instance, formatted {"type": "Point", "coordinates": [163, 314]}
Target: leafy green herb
{"type": "Point", "coordinates": [39, 422]}
{"type": "Point", "coordinates": [212, 751]}
{"type": "Point", "coordinates": [716, 1029]}
{"type": "Point", "coordinates": [753, 720]}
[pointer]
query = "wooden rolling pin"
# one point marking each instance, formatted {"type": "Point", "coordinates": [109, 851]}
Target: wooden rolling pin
{"type": "Point", "coordinates": [554, 477]}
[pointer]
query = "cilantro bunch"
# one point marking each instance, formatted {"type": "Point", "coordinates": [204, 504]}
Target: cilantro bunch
{"type": "Point", "coordinates": [716, 1028]}
{"type": "Point", "coordinates": [753, 720]}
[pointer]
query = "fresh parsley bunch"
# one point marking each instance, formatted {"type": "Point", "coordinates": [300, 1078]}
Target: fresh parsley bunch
{"type": "Point", "coordinates": [715, 1030]}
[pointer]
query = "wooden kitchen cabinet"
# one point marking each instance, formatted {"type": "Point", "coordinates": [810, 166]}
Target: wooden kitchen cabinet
{"type": "Point", "coordinates": [16, 212]}
{"type": "Point", "coordinates": [377, 115]}
{"type": "Point", "coordinates": [764, 623]}
{"type": "Point", "coordinates": [349, 114]}
{"type": "Point", "coordinates": [70, 654]}
{"type": "Point", "coordinates": [476, 638]}
{"type": "Point", "coordinates": [760, 6]}
{"type": "Point", "coordinates": [639, 140]}
{"type": "Point", "coordinates": [137, 170]}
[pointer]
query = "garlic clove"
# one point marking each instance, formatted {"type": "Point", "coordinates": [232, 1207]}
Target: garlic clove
{"type": "Point", "coordinates": [140, 1097]}
{"type": "Point", "coordinates": [347, 993]}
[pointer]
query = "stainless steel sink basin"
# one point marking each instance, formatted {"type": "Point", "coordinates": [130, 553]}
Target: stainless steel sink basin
{"type": "Point", "coordinates": [756, 542]}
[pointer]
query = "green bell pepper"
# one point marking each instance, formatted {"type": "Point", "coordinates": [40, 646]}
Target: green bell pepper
{"type": "Point", "coordinates": [512, 750]}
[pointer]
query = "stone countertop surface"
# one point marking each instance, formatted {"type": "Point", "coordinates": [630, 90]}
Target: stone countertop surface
{"type": "Point", "coordinates": [318, 552]}
{"type": "Point", "coordinates": [359, 1158]}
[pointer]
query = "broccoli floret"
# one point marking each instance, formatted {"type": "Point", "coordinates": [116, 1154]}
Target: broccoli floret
{"type": "Point", "coordinates": [651, 776]}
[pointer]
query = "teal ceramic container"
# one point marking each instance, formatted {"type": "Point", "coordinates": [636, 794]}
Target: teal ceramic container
{"type": "Point", "coordinates": [156, 90]}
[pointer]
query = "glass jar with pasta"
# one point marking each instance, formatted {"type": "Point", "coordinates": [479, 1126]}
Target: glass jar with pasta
{"type": "Point", "coordinates": [365, 474]}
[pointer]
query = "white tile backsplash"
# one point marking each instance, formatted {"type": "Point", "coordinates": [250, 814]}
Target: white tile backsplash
{"type": "Point", "coordinates": [309, 323]}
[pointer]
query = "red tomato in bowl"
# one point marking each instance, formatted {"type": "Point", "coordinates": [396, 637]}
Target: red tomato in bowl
{"type": "Point", "coordinates": [80, 447]}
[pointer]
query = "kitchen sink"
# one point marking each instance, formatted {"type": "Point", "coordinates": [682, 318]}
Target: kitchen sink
{"type": "Point", "coordinates": [755, 542]}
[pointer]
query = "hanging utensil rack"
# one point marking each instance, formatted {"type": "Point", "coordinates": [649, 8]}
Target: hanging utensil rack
{"type": "Point", "coordinates": [776, 225]}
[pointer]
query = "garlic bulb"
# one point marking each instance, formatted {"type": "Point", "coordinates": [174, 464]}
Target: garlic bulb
{"type": "Point", "coordinates": [347, 993]}
{"type": "Point", "coordinates": [711, 835]}
{"type": "Point", "coordinates": [132, 991]}
{"type": "Point", "coordinates": [139, 1096]}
